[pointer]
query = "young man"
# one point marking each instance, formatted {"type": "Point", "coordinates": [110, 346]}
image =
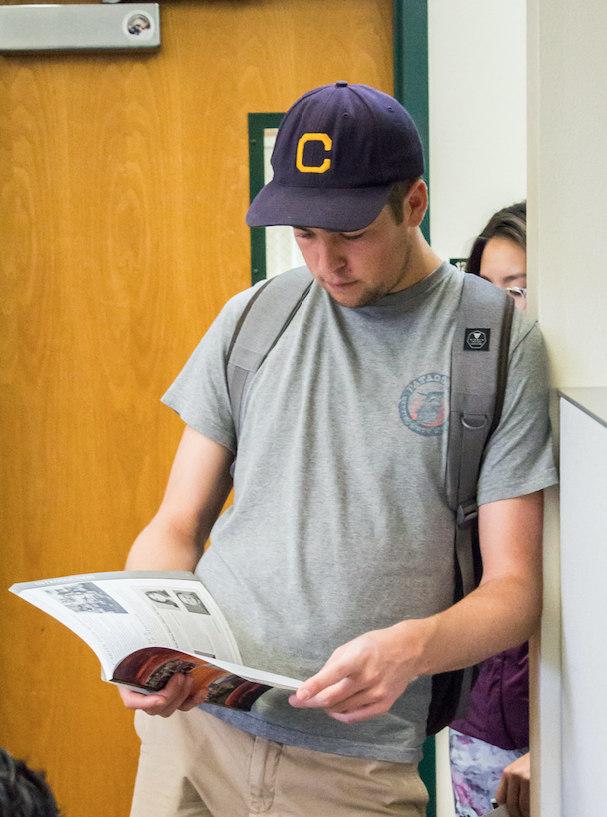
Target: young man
{"type": "Point", "coordinates": [335, 562]}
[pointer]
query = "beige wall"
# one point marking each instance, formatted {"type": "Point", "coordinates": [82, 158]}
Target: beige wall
{"type": "Point", "coordinates": [567, 68]}
{"type": "Point", "coordinates": [478, 119]}
{"type": "Point", "coordinates": [568, 185]}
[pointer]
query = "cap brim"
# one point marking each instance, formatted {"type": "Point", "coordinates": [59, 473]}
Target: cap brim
{"type": "Point", "coordinates": [336, 209]}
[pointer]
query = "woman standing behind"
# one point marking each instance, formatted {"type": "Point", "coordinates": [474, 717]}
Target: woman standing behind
{"type": "Point", "coordinates": [499, 253]}
{"type": "Point", "coordinates": [489, 747]}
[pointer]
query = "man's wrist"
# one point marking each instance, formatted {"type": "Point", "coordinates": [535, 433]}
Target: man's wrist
{"type": "Point", "coordinates": [416, 637]}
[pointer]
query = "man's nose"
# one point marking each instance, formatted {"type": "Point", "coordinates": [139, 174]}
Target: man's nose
{"type": "Point", "coordinates": [330, 257]}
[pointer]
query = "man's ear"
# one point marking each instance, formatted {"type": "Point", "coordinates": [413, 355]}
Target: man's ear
{"type": "Point", "coordinates": [416, 203]}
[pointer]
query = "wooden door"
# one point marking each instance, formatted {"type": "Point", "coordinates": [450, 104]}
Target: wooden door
{"type": "Point", "coordinates": [123, 184]}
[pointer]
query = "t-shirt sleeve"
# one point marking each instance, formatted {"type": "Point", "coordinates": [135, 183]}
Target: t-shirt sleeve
{"type": "Point", "coordinates": [199, 394]}
{"type": "Point", "coordinates": [519, 457]}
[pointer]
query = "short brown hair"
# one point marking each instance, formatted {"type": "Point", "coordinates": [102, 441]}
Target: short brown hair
{"type": "Point", "coordinates": [397, 193]}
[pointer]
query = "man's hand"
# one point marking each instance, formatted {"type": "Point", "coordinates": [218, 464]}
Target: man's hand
{"type": "Point", "coordinates": [364, 677]}
{"type": "Point", "coordinates": [513, 789]}
{"type": "Point", "coordinates": [179, 693]}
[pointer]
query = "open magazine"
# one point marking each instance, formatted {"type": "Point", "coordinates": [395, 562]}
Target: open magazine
{"type": "Point", "coordinates": [146, 626]}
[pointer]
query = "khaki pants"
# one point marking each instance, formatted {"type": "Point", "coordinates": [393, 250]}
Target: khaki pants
{"type": "Point", "coordinates": [194, 765]}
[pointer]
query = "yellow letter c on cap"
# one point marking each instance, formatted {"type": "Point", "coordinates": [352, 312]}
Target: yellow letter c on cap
{"type": "Point", "coordinates": [327, 143]}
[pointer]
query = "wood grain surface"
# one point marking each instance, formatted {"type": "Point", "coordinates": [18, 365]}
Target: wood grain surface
{"type": "Point", "coordinates": [123, 190]}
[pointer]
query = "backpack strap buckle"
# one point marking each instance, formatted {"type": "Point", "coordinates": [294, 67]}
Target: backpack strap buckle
{"type": "Point", "coordinates": [467, 513]}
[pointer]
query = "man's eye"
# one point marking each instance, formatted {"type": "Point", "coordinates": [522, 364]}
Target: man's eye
{"type": "Point", "coordinates": [303, 235]}
{"type": "Point", "coordinates": [352, 237]}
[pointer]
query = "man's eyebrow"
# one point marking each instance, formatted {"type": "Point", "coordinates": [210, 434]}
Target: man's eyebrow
{"type": "Point", "coordinates": [513, 277]}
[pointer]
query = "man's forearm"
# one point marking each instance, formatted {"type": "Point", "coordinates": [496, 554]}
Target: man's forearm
{"type": "Point", "coordinates": [162, 546]}
{"type": "Point", "coordinates": [505, 609]}
{"type": "Point", "coordinates": [499, 614]}
{"type": "Point", "coordinates": [197, 488]}
{"type": "Point", "coordinates": [363, 677]}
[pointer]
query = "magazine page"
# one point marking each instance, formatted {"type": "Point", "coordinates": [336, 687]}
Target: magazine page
{"type": "Point", "coordinates": [120, 613]}
{"type": "Point", "coordinates": [224, 683]}
{"type": "Point", "coordinates": [270, 679]}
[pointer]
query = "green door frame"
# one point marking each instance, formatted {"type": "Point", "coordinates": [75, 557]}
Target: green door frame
{"type": "Point", "coordinates": [258, 122]}
{"type": "Point", "coordinates": [410, 45]}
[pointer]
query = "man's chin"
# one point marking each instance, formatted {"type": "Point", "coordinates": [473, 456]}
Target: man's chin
{"type": "Point", "coordinates": [353, 297]}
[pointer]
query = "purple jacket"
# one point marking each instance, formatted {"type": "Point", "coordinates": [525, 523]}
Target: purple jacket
{"type": "Point", "coordinates": [498, 712]}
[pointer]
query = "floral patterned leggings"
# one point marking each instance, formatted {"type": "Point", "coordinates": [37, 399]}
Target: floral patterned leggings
{"type": "Point", "coordinates": [476, 769]}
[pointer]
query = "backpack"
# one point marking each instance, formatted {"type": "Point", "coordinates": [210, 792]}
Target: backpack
{"type": "Point", "coordinates": [479, 367]}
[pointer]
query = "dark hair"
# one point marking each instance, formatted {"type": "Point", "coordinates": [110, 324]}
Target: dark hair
{"type": "Point", "coordinates": [23, 792]}
{"type": "Point", "coordinates": [397, 193]}
{"type": "Point", "coordinates": [509, 222]}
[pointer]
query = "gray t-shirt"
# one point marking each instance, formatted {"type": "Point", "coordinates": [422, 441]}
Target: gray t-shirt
{"type": "Point", "coordinates": [340, 523]}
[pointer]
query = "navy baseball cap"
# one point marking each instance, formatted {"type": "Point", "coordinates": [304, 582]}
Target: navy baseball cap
{"type": "Point", "coordinates": [338, 151]}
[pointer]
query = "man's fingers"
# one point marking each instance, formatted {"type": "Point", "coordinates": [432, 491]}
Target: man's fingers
{"type": "Point", "coordinates": [360, 699]}
{"type": "Point", "coordinates": [195, 698]}
{"type": "Point", "coordinates": [136, 700]}
{"type": "Point", "coordinates": [364, 713]}
{"type": "Point", "coordinates": [176, 695]}
{"type": "Point", "coordinates": [331, 674]}
{"type": "Point", "coordinates": [328, 696]}
{"type": "Point", "coordinates": [164, 702]}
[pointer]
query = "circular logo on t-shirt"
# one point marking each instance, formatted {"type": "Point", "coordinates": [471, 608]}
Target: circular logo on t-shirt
{"type": "Point", "coordinates": [423, 403]}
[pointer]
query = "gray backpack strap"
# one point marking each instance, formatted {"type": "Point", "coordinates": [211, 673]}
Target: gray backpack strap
{"type": "Point", "coordinates": [263, 321]}
{"type": "Point", "coordinates": [479, 368]}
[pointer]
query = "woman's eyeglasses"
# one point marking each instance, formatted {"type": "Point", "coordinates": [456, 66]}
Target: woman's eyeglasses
{"type": "Point", "coordinates": [517, 292]}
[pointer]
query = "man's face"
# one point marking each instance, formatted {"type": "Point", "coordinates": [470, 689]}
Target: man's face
{"type": "Point", "coordinates": [361, 267]}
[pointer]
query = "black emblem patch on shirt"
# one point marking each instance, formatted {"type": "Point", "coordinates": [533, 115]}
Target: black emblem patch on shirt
{"type": "Point", "coordinates": [477, 340]}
